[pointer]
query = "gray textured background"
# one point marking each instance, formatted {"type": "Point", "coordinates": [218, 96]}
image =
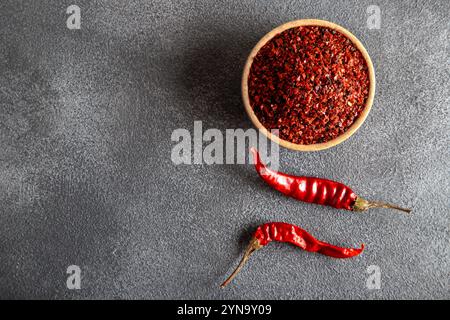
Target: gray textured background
{"type": "Point", "coordinates": [86, 118]}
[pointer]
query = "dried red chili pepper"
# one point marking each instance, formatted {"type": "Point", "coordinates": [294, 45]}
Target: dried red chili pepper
{"type": "Point", "coordinates": [316, 190]}
{"type": "Point", "coordinates": [311, 83]}
{"type": "Point", "coordinates": [285, 232]}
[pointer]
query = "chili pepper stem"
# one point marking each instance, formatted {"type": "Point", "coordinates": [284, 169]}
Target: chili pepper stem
{"type": "Point", "coordinates": [252, 247]}
{"type": "Point", "coordinates": [363, 205]}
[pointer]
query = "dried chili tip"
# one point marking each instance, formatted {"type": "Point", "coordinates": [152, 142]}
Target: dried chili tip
{"type": "Point", "coordinates": [289, 233]}
{"type": "Point", "coordinates": [252, 247]}
{"type": "Point", "coordinates": [363, 205]}
{"type": "Point", "coordinates": [256, 158]}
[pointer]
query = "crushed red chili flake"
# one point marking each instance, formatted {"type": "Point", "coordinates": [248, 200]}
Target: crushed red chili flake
{"type": "Point", "coordinates": [309, 82]}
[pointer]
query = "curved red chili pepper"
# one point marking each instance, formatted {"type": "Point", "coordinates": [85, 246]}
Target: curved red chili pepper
{"type": "Point", "coordinates": [285, 232]}
{"type": "Point", "coordinates": [316, 190]}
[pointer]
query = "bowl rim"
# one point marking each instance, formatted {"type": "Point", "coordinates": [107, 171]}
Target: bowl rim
{"type": "Point", "coordinates": [318, 146]}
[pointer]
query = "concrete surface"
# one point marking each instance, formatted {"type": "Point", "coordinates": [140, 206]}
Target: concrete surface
{"type": "Point", "coordinates": [86, 118]}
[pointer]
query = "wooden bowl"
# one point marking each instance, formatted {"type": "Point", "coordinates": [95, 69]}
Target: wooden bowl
{"type": "Point", "coordinates": [318, 146]}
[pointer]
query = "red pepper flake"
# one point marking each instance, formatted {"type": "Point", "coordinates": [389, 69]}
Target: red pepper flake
{"type": "Point", "coordinates": [311, 83]}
